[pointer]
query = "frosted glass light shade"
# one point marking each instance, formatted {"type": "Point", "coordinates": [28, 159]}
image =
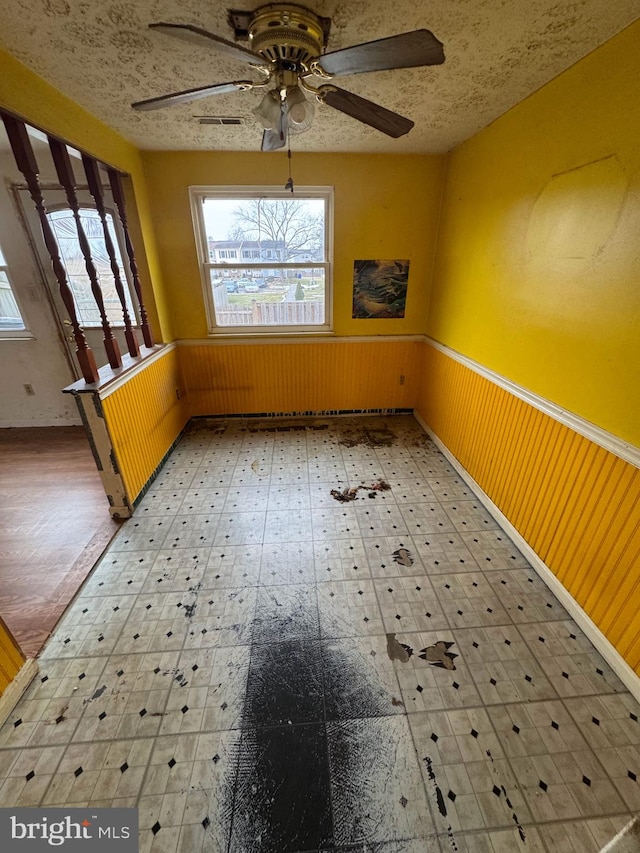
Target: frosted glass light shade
{"type": "Point", "coordinates": [300, 110]}
{"type": "Point", "coordinates": [268, 110]}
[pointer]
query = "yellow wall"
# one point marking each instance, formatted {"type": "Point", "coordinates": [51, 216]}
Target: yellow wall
{"type": "Point", "coordinates": [538, 268]}
{"type": "Point", "coordinates": [537, 277]}
{"type": "Point", "coordinates": [30, 97]}
{"type": "Point", "coordinates": [144, 416]}
{"type": "Point", "coordinates": [11, 658]}
{"type": "Point", "coordinates": [315, 377]}
{"type": "Point", "coordinates": [576, 504]}
{"type": "Point", "coordinates": [385, 207]}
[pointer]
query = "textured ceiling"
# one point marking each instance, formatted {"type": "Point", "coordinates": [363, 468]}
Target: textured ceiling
{"type": "Point", "coordinates": [102, 55]}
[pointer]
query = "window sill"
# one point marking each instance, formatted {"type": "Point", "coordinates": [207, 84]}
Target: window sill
{"type": "Point", "coordinates": [274, 335]}
{"type": "Point", "coordinates": [18, 335]}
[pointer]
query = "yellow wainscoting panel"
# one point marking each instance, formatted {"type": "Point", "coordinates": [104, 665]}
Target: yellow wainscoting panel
{"type": "Point", "coordinates": [299, 377]}
{"type": "Point", "coordinates": [11, 658]}
{"type": "Point", "coordinates": [144, 416]}
{"type": "Point", "coordinates": [575, 503]}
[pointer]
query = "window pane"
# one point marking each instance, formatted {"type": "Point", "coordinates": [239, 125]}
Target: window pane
{"type": "Point", "coordinates": [10, 317]}
{"type": "Point", "coordinates": [271, 297]}
{"type": "Point", "coordinates": [267, 229]}
{"type": "Point", "coordinates": [64, 228]}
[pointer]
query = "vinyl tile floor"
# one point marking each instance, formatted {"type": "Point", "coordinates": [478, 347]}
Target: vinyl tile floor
{"type": "Point", "coordinates": [260, 667]}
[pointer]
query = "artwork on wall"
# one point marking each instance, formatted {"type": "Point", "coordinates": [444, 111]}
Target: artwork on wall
{"type": "Point", "coordinates": [379, 289]}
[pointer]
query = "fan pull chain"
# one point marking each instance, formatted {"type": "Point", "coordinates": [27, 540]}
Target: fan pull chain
{"type": "Point", "coordinates": [289, 184]}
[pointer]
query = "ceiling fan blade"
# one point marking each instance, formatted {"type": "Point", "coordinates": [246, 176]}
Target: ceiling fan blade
{"type": "Point", "coordinates": [188, 95]}
{"type": "Point", "coordinates": [408, 50]}
{"type": "Point", "coordinates": [366, 111]}
{"type": "Point", "coordinates": [272, 140]}
{"type": "Point", "coordinates": [203, 38]}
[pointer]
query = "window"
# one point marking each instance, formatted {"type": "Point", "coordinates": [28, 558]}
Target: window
{"type": "Point", "coordinates": [265, 257]}
{"type": "Point", "coordinates": [11, 321]}
{"type": "Point", "coordinates": [64, 228]}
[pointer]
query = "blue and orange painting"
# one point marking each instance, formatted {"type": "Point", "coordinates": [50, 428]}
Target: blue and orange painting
{"type": "Point", "coordinates": [379, 289]}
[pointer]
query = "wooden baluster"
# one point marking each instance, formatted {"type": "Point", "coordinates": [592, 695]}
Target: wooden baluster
{"type": "Point", "coordinates": [118, 196]}
{"type": "Point", "coordinates": [66, 177]}
{"type": "Point", "coordinates": [26, 162]}
{"type": "Point", "coordinates": [95, 188]}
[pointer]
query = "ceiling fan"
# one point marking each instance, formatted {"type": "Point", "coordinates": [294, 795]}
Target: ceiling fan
{"type": "Point", "coordinates": [286, 44]}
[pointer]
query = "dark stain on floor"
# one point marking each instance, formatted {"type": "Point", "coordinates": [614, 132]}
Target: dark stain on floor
{"type": "Point", "coordinates": [503, 791]}
{"type": "Point", "coordinates": [96, 695]}
{"type": "Point", "coordinates": [372, 438]}
{"type": "Point", "coordinates": [307, 700]}
{"type": "Point", "coordinates": [284, 686]}
{"type": "Point", "coordinates": [439, 797]}
{"type": "Point", "coordinates": [351, 494]}
{"type": "Point", "coordinates": [282, 800]}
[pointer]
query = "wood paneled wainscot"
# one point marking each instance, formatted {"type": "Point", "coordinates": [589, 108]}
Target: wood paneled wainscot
{"type": "Point", "coordinates": [133, 417]}
{"type": "Point", "coordinates": [571, 493]}
{"type": "Point", "coordinates": [15, 672]}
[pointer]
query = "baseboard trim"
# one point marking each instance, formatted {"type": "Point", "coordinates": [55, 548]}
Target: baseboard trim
{"type": "Point", "coordinates": [44, 423]}
{"type": "Point", "coordinates": [324, 413]}
{"type": "Point", "coordinates": [608, 651]}
{"type": "Point", "coordinates": [15, 690]}
{"type": "Point", "coordinates": [627, 840]}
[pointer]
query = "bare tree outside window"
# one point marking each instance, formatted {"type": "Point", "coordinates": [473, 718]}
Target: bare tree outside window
{"type": "Point", "coordinates": [295, 226]}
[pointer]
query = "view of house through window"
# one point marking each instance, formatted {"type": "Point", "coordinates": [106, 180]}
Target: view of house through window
{"type": "Point", "coordinates": [10, 316]}
{"type": "Point", "coordinates": [64, 228]}
{"type": "Point", "coordinates": [265, 256]}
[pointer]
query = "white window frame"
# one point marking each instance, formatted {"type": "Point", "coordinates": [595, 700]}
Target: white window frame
{"type": "Point", "coordinates": [13, 334]}
{"type": "Point", "coordinates": [197, 194]}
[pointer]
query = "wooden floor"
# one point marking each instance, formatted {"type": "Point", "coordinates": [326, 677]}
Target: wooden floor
{"type": "Point", "coordinates": [55, 523]}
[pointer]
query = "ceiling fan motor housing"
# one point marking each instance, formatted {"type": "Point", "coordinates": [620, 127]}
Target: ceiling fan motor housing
{"type": "Point", "coordinates": [286, 32]}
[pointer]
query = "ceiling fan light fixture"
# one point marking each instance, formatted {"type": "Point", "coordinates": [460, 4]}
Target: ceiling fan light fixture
{"type": "Point", "coordinates": [287, 45]}
{"type": "Point", "coordinates": [300, 110]}
{"type": "Point", "coordinates": [269, 109]}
